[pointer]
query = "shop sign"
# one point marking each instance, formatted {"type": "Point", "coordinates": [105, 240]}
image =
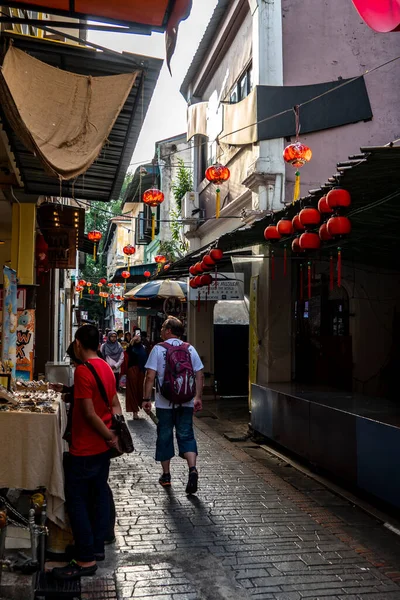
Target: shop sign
{"type": "Point", "coordinates": [230, 286]}
{"type": "Point", "coordinates": [62, 248]}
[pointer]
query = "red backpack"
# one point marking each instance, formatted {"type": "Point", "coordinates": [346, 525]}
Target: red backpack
{"type": "Point", "coordinates": [179, 385]}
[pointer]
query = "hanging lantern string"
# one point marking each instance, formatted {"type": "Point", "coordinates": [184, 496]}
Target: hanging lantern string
{"type": "Point", "coordinates": [296, 109]}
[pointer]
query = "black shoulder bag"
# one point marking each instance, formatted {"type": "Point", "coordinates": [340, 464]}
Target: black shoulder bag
{"type": "Point", "coordinates": [118, 425]}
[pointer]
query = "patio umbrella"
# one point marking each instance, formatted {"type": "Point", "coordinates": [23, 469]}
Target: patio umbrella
{"type": "Point", "coordinates": [158, 289]}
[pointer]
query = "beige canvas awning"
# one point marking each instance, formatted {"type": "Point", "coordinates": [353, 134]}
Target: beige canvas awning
{"type": "Point", "coordinates": [62, 117]}
{"type": "Point", "coordinates": [197, 120]}
{"type": "Point", "coordinates": [240, 122]}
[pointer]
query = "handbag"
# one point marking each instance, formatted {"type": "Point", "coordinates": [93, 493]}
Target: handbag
{"type": "Point", "coordinates": [118, 424]}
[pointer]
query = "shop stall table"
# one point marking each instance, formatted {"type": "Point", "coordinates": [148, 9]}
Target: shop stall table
{"type": "Point", "coordinates": [31, 455]}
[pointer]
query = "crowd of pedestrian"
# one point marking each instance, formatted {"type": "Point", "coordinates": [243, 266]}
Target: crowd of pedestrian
{"type": "Point", "coordinates": [171, 373]}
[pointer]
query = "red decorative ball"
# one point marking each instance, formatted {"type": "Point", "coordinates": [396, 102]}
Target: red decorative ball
{"type": "Point", "coordinates": [197, 281]}
{"type": "Point", "coordinates": [309, 217]}
{"type": "Point", "coordinates": [338, 198]}
{"type": "Point", "coordinates": [192, 283]}
{"type": "Point", "coordinates": [297, 226]}
{"type": "Point", "coordinates": [199, 268]}
{"type": "Point", "coordinates": [271, 233]}
{"type": "Point", "coordinates": [296, 245]}
{"type": "Point", "coordinates": [129, 250]}
{"type": "Point", "coordinates": [193, 270]}
{"type": "Point", "coordinates": [297, 154]}
{"type": "Point", "coordinates": [147, 274]}
{"type": "Point", "coordinates": [103, 281]}
{"type": "Point", "coordinates": [91, 292]}
{"type": "Point", "coordinates": [216, 254]}
{"type": "Point", "coordinates": [324, 207]}
{"type": "Point", "coordinates": [160, 259]}
{"type": "Point", "coordinates": [338, 226]}
{"type": "Point", "coordinates": [217, 174]}
{"type": "Point", "coordinates": [206, 279]}
{"type": "Point", "coordinates": [285, 227]}
{"type": "Point", "coordinates": [324, 236]}
{"type": "Point", "coordinates": [153, 197]}
{"type": "Point", "coordinates": [309, 241]}
{"type": "Point", "coordinates": [205, 266]}
{"type": "Point", "coordinates": [125, 274]}
{"type": "Point", "coordinates": [207, 260]}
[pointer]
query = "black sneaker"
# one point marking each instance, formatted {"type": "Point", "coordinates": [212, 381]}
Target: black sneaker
{"type": "Point", "coordinates": [191, 487]}
{"type": "Point", "coordinates": [165, 480]}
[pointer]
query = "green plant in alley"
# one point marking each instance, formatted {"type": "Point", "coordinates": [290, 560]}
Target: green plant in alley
{"type": "Point", "coordinates": [178, 246]}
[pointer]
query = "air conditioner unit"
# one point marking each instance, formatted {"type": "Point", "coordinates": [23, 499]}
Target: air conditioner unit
{"type": "Point", "coordinates": [190, 206]}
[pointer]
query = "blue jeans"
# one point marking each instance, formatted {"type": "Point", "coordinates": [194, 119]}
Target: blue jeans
{"type": "Point", "coordinates": [86, 478]}
{"type": "Point", "coordinates": [182, 419]}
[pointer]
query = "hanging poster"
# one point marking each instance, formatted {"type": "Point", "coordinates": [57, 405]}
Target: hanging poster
{"type": "Point", "coordinates": [9, 332]}
{"type": "Point", "coordinates": [25, 344]}
{"type": "Point", "coordinates": [253, 345]}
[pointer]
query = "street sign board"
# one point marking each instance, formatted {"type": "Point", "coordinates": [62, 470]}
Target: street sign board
{"type": "Point", "coordinates": [230, 286]}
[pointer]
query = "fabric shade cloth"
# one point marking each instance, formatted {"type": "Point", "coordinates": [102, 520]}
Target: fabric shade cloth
{"type": "Point", "coordinates": [158, 289]}
{"type": "Point", "coordinates": [63, 118]}
{"type": "Point", "coordinates": [240, 120]}
{"type": "Point", "coordinates": [32, 456]}
{"type": "Point", "coordinates": [197, 120]}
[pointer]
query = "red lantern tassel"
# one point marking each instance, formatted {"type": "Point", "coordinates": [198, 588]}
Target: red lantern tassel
{"type": "Point", "coordinates": [339, 267]}
{"type": "Point", "coordinates": [301, 283]}
{"type": "Point", "coordinates": [331, 273]}
{"type": "Point", "coordinates": [309, 279]}
{"type": "Point", "coordinates": [284, 262]}
{"type": "Point", "coordinates": [272, 265]}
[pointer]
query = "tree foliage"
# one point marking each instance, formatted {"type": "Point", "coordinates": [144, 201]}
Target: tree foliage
{"type": "Point", "coordinates": [178, 246]}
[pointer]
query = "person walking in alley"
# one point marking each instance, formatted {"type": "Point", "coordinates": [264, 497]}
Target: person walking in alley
{"type": "Point", "coordinates": [137, 357]}
{"type": "Point", "coordinates": [113, 354]}
{"type": "Point", "coordinates": [87, 468]}
{"type": "Point", "coordinates": [176, 369]}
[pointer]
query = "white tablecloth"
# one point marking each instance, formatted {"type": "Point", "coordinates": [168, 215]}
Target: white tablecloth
{"type": "Point", "coordinates": [31, 453]}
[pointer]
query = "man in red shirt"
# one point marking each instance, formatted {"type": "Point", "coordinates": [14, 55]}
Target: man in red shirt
{"type": "Point", "coordinates": [88, 464]}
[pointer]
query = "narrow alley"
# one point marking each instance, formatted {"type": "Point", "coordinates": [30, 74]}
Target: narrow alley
{"type": "Point", "coordinates": [249, 532]}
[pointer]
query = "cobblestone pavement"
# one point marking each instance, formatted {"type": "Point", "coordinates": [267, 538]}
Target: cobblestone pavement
{"type": "Point", "coordinates": [248, 534]}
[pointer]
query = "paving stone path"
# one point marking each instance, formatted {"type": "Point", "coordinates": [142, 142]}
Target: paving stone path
{"type": "Point", "coordinates": [247, 534]}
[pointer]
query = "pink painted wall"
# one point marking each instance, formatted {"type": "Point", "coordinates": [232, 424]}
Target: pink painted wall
{"type": "Point", "coordinates": [322, 41]}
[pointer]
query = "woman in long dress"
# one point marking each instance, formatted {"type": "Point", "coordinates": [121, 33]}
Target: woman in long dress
{"type": "Point", "coordinates": [113, 354]}
{"type": "Point", "coordinates": [137, 357]}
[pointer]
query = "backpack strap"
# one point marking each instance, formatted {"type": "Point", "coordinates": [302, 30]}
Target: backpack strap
{"type": "Point", "coordinates": [100, 384]}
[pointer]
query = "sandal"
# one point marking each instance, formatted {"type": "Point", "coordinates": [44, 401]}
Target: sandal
{"type": "Point", "coordinates": [73, 571]}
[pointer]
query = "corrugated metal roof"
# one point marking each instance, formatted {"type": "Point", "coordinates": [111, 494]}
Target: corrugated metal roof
{"type": "Point", "coordinates": [204, 46]}
{"type": "Point", "coordinates": [104, 179]}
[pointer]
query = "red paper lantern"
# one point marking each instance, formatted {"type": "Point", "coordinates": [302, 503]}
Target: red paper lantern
{"type": "Point", "coordinates": [147, 274]}
{"type": "Point", "coordinates": [119, 298]}
{"type": "Point", "coordinates": [91, 292]}
{"type": "Point", "coordinates": [338, 198]}
{"type": "Point", "coordinates": [217, 174]}
{"type": "Point", "coordinates": [272, 234]}
{"type": "Point", "coordinates": [309, 217]}
{"type": "Point", "coordinates": [324, 207]}
{"type": "Point", "coordinates": [103, 281]}
{"type": "Point", "coordinates": [296, 245]}
{"type": "Point", "coordinates": [297, 226]}
{"type": "Point", "coordinates": [95, 236]}
{"type": "Point", "coordinates": [206, 279]}
{"type": "Point", "coordinates": [205, 266]}
{"type": "Point", "coordinates": [82, 282]}
{"type": "Point", "coordinates": [129, 250]}
{"type": "Point", "coordinates": [193, 270]}
{"type": "Point", "coordinates": [153, 197]}
{"type": "Point", "coordinates": [192, 283]}
{"type": "Point", "coordinates": [160, 259]}
{"type": "Point", "coordinates": [199, 268]}
{"type": "Point", "coordinates": [285, 227]}
{"type": "Point", "coordinates": [207, 260]}
{"type": "Point", "coordinates": [197, 281]}
{"type": "Point", "coordinates": [338, 226]}
{"type": "Point", "coordinates": [216, 254]}
{"type": "Point", "coordinates": [309, 241]}
{"type": "Point", "coordinates": [297, 154]}
{"type": "Point", "coordinates": [89, 284]}
{"type": "Point", "coordinates": [166, 267]}
{"type": "Point", "coordinates": [125, 274]}
{"type": "Point", "coordinates": [324, 235]}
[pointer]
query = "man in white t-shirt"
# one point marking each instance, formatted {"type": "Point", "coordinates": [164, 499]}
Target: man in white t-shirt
{"type": "Point", "coordinates": [170, 416]}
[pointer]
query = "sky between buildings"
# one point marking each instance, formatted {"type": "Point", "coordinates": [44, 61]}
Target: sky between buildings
{"type": "Point", "coordinates": [166, 116]}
